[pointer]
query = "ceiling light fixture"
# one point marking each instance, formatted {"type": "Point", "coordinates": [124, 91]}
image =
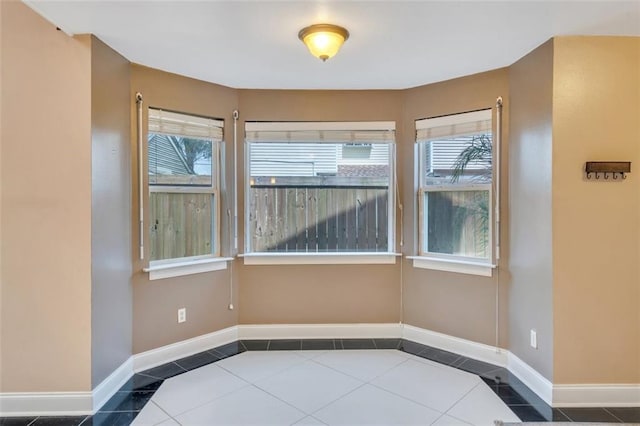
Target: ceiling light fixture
{"type": "Point", "coordinates": [323, 40]}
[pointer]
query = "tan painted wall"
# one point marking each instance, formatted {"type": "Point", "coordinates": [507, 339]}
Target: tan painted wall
{"type": "Point", "coordinates": [111, 294]}
{"type": "Point", "coordinates": [596, 224]}
{"type": "Point", "coordinates": [531, 289]}
{"type": "Point", "coordinates": [1, 118]}
{"type": "Point", "coordinates": [456, 304]}
{"type": "Point", "coordinates": [318, 293]}
{"type": "Point", "coordinates": [205, 295]}
{"type": "Point", "coordinates": [46, 205]}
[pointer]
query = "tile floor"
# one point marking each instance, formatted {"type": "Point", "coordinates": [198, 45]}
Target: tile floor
{"type": "Point", "coordinates": [329, 381]}
{"type": "Point", "coordinates": [347, 387]}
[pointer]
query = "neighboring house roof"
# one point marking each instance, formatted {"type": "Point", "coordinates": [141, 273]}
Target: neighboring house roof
{"type": "Point", "coordinates": [165, 158]}
{"type": "Point", "coordinates": [363, 170]}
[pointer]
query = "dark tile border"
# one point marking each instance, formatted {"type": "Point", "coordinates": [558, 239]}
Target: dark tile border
{"type": "Point", "coordinates": [127, 402]}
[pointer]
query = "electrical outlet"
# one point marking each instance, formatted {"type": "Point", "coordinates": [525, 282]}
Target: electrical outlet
{"type": "Point", "coordinates": [182, 315]}
{"type": "Point", "coordinates": [534, 339]}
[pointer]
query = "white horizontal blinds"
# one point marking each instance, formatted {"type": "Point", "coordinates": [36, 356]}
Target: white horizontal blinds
{"type": "Point", "coordinates": [173, 123]}
{"type": "Point", "coordinates": [319, 132]}
{"type": "Point", "coordinates": [468, 123]}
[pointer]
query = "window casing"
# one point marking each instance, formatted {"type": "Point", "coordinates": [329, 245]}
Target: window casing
{"type": "Point", "coordinates": [455, 187]}
{"type": "Point", "coordinates": [183, 156]}
{"type": "Point", "coordinates": [319, 188]}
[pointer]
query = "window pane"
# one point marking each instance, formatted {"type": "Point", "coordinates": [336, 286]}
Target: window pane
{"type": "Point", "coordinates": [457, 223]}
{"type": "Point", "coordinates": [181, 225]}
{"type": "Point", "coordinates": [178, 161]}
{"type": "Point", "coordinates": [462, 159]}
{"type": "Point", "coordinates": [319, 197]}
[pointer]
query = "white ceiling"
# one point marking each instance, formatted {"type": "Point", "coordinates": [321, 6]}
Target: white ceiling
{"type": "Point", "coordinates": [393, 44]}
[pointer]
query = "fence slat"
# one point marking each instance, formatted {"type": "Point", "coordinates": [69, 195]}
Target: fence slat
{"type": "Point", "coordinates": [332, 222]}
{"type": "Point", "coordinates": [323, 216]}
{"type": "Point", "coordinates": [296, 219]}
{"type": "Point", "coordinates": [301, 219]}
{"type": "Point", "coordinates": [372, 206]}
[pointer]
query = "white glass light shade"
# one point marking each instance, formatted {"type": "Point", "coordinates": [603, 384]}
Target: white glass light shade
{"type": "Point", "coordinates": [323, 40]}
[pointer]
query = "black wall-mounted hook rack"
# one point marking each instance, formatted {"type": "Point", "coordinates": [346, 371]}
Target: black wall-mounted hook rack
{"type": "Point", "coordinates": [617, 169]}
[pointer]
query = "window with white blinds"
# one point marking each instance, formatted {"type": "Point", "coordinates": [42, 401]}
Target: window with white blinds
{"type": "Point", "coordinates": [455, 177]}
{"type": "Point", "coordinates": [319, 186]}
{"type": "Point", "coordinates": [183, 164]}
{"type": "Point", "coordinates": [177, 124]}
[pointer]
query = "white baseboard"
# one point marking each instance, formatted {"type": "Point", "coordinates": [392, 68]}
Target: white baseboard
{"type": "Point", "coordinates": [85, 403]}
{"type": "Point", "coordinates": [535, 381]}
{"type": "Point", "coordinates": [174, 351]}
{"type": "Point", "coordinates": [112, 383]}
{"type": "Point", "coordinates": [478, 351]}
{"type": "Point", "coordinates": [320, 331]}
{"type": "Point", "coordinates": [46, 404]}
{"type": "Point", "coordinates": [596, 395]}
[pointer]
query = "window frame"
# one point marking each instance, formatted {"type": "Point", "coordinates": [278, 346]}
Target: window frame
{"type": "Point", "coordinates": [178, 266]}
{"type": "Point", "coordinates": [443, 261]}
{"type": "Point", "coordinates": [309, 258]}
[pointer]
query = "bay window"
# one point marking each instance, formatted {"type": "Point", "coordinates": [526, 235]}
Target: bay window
{"type": "Point", "coordinates": [183, 156]}
{"type": "Point", "coordinates": [319, 188]}
{"type": "Point", "coordinates": [455, 195]}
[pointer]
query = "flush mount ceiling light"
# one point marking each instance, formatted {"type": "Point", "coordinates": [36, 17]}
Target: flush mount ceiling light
{"type": "Point", "coordinates": [323, 40]}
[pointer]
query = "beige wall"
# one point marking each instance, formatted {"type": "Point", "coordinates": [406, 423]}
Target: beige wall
{"type": "Point", "coordinates": [205, 295]}
{"type": "Point", "coordinates": [318, 293]}
{"type": "Point", "coordinates": [596, 224]}
{"type": "Point", "coordinates": [1, 118]}
{"type": "Point", "coordinates": [531, 284]}
{"type": "Point", "coordinates": [111, 294]}
{"type": "Point", "coordinates": [46, 205]}
{"type": "Point", "coordinates": [456, 304]}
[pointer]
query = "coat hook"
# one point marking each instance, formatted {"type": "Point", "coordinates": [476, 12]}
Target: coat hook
{"type": "Point", "coordinates": [589, 175]}
{"type": "Point", "coordinates": [606, 175]}
{"type": "Point", "coordinates": [615, 176]}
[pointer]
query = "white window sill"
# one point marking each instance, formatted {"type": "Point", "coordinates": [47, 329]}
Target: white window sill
{"type": "Point", "coordinates": [319, 258]}
{"type": "Point", "coordinates": [160, 270]}
{"type": "Point", "coordinates": [453, 265]}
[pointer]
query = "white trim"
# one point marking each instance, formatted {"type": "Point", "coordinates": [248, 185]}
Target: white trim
{"type": "Point", "coordinates": [45, 404]}
{"type": "Point", "coordinates": [168, 353]}
{"type": "Point", "coordinates": [478, 351]}
{"type": "Point", "coordinates": [320, 331]}
{"type": "Point", "coordinates": [86, 403]}
{"type": "Point", "coordinates": [535, 381]}
{"type": "Point", "coordinates": [158, 271]}
{"type": "Point", "coordinates": [279, 126]}
{"type": "Point", "coordinates": [109, 386]}
{"type": "Point", "coordinates": [451, 265]}
{"type": "Point", "coordinates": [319, 258]}
{"type": "Point", "coordinates": [596, 395]}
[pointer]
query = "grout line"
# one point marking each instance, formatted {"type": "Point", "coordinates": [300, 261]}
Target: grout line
{"type": "Point", "coordinates": [340, 397]}
{"type": "Point", "coordinates": [614, 416]}
{"type": "Point", "coordinates": [564, 414]}
{"type": "Point", "coordinates": [463, 397]}
{"type": "Point", "coordinates": [212, 400]}
{"type": "Point", "coordinates": [179, 366]}
{"type": "Point", "coordinates": [317, 420]}
{"type": "Point", "coordinates": [281, 400]}
{"type": "Point", "coordinates": [164, 411]}
{"type": "Point", "coordinates": [405, 398]}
